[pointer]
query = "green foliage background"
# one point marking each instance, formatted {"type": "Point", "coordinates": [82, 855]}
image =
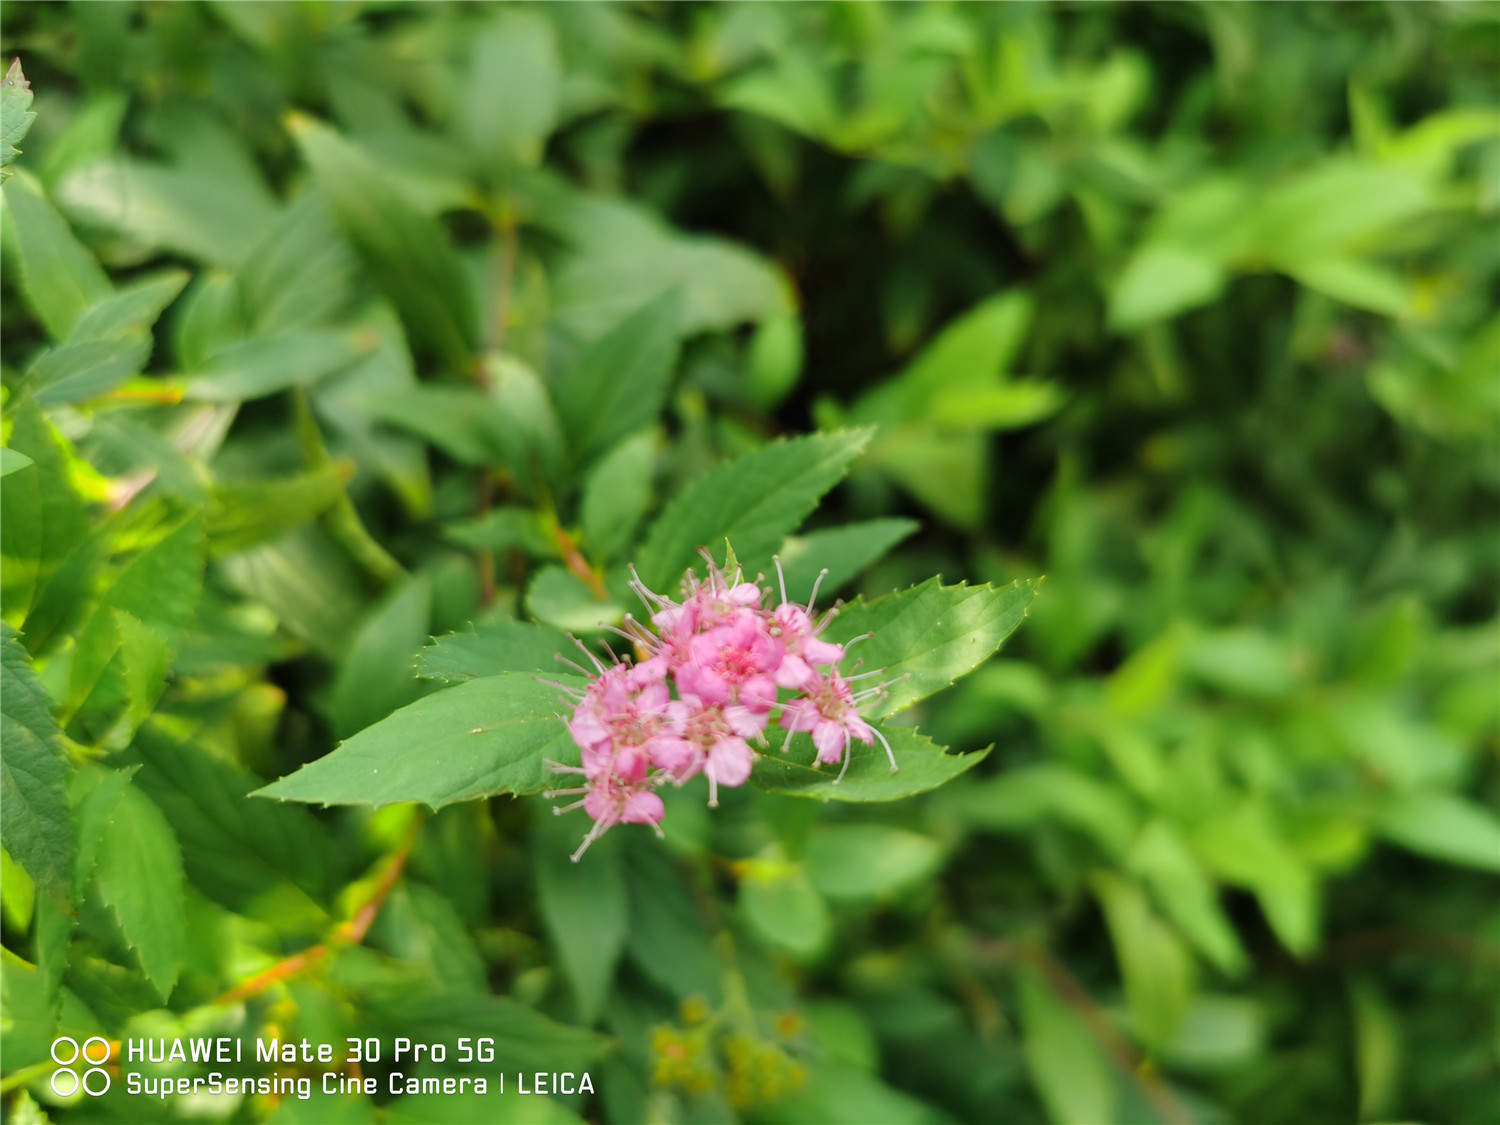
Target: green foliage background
{"type": "Point", "coordinates": [333, 328]}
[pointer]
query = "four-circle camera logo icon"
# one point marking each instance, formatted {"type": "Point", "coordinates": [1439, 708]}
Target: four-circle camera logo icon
{"type": "Point", "coordinates": [66, 1052]}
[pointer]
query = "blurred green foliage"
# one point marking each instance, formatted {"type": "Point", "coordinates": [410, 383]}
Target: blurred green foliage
{"type": "Point", "coordinates": [333, 327]}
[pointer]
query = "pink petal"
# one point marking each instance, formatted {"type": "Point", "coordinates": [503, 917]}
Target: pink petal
{"type": "Point", "coordinates": [745, 722]}
{"type": "Point", "coordinates": [600, 805]}
{"type": "Point", "coordinates": [793, 671]}
{"type": "Point", "coordinates": [830, 739]}
{"type": "Point", "coordinates": [643, 807]}
{"type": "Point", "coordinates": [730, 761]}
{"type": "Point", "coordinates": [799, 715]}
{"type": "Point", "coordinates": [822, 652]}
{"type": "Point", "coordinates": [758, 693]}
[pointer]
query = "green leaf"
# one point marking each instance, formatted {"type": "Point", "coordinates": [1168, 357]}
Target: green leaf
{"type": "Point", "coordinates": [1185, 893]}
{"type": "Point", "coordinates": [753, 501]}
{"type": "Point", "coordinates": [525, 1040]}
{"type": "Point", "coordinates": [1066, 1067]}
{"type": "Point", "coordinates": [234, 849]}
{"type": "Point", "coordinates": [37, 827]}
{"type": "Point", "coordinates": [623, 254]}
{"type": "Point", "coordinates": [1244, 848]}
{"type": "Point", "coordinates": [243, 514]}
{"type": "Point", "coordinates": [75, 371]}
{"type": "Point", "coordinates": [843, 551]}
{"type": "Point", "coordinates": [407, 253]}
{"type": "Point", "coordinates": [583, 906]}
{"type": "Point", "coordinates": [196, 209]}
{"type": "Point", "coordinates": [1161, 281]}
{"type": "Point", "coordinates": [922, 765]}
{"type": "Point", "coordinates": [12, 460]}
{"type": "Point", "coordinates": [301, 273]}
{"type": "Point", "coordinates": [669, 940]}
{"type": "Point", "coordinates": [559, 598]}
{"type": "Point", "coordinates": [774, 361]}
{"type": "Point", "coordinates": [250, 369]}
{"type": "Point", "coordinates": [135, 308]}
{"type": "Point", "coordinates": [476, 739]}
{"type": "Point", "coordinates": [376, 674]}
{"type": "Point", "coordinates": [487, 650]}
{"type": "Point", "coordinates": [464, 422]}
{"type": "Point", "coordinates": [843, 1095]}
{"type": "Point", "coordinates": [868, 861]}
{"type": "Point", "coordinates": [159, 588]}
{"type": "Point", "coordinates": [16, 114]}
{"type": "Point", "coordinates": [1157, 969]}
{"type": "Point", "coordinates": [1443, 826]}
{"type": "Point", "coordinates": [59, 277]}
{"type": "Point", "coordinates": [782, 907]}
{"type": "Point", "coordinates": [419, 925]}
{"type": "Point", "coordinates": [969, 357]}
{"type": "Point", "coordinates": [1361, 284]}
{"type": "Point", "coordinates": [927, 636]}
{"type": "Point", "coordinates": [616, 494]}
{"type": "Point", "coordinates": [619, 381]}
{"type": "Point", "coordinates": [511, 97]}
{"type": "Point", "coordinates": [1021, 799]}
{"type": "Point", "coordinates": [139, 875]}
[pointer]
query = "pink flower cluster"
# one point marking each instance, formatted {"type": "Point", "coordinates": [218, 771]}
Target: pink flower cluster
{"type": "Point", "coordinates": [709, 672]}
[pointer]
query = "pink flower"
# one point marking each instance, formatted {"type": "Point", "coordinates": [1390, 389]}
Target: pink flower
{"type": "Point", "coordinates": [733, 663]}
{"type": "Point", "coordinates": [829, 711]}
{"type": "Point", "coordinates": [715, 737]}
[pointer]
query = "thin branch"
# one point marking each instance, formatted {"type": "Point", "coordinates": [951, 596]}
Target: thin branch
{"type": "Point", "coordinates": [351, 932]}
{"type": "Point", "coordinates": [1076, 997]}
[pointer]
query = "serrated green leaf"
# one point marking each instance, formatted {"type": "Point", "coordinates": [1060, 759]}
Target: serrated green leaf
{"type": "Point", "coordinates": [159, 588]}
{"type": "Point", "coordinates": [921, 765]}
{"type": "Point", "coordinates": [479, 738]}
{"type": "Point", "coordinates": [407, 252]}
{"type": "Point", "coordinates": [583, 906]}
{"type": "Point", "coordinates": [37, 826]}
{"type": "Point", "coordinates": [16, 114]}
{"type": "Point", "coordinates": [843, 551]}
{"type": "Point", "coordinates": [927, 636]}
{"type": "Point", "coordinates": [619, 381]}
{"type": "Point", "coordinates": [487, 650]}
{"type": "Point", "coordinates": [139, 876]}
{"type": "Point", "coordinates": [233, 849]}
{"type": "Point", "coordinates": [59, 277]}
{"type": "Point", "coordinates": [866, 861]}
{"type": "Point", "coordinates": [753, 501]}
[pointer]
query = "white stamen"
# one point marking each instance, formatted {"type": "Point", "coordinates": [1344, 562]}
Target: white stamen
{"type": "Point", "coordinates": [822, 574]}
{"type": "Point", "coordinates": [780, 576]}
{"type": "Point", "coordinates": [889, 753]}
